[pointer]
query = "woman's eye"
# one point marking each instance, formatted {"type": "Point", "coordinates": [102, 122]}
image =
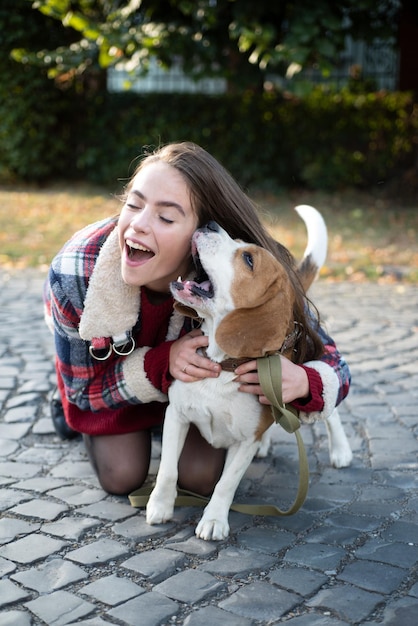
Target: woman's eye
{"type": "Point", "coordinates": [248, 258]}
{"type": "Point", "coordinates": [166, 220]}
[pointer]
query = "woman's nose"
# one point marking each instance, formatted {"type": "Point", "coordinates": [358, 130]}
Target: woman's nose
{"type": "Point", "coordinates": [141, 220]}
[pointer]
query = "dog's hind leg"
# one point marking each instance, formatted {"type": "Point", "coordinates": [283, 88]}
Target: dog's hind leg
{"type": "Point", "coordinates": [339, 448]}
{"type": "Point", "coordinates": [160, 507]}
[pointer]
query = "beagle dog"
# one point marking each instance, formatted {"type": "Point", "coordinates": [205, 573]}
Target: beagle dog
{"type": "Point", "coordinates": [245, 301]}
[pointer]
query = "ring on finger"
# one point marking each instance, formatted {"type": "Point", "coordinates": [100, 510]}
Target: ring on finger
{"type": "Point", "coordinates": [184, 369]}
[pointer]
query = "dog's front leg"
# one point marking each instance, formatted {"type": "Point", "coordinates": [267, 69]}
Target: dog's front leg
{"type": "Point", "coordinates": [160, 507]}
{"type": "Point", "coordinates": [214, 522]}
{"type": "Point", "coordinates": [339, 448]}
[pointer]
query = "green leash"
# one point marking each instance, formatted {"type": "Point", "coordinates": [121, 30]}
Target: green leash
{"type": "Point", "coordinates": [270, 374]}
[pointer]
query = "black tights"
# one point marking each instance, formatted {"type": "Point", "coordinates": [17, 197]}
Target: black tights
{"type": "Point", "coordinates": [121, 462]}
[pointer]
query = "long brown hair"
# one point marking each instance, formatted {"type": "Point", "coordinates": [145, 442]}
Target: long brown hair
{"type": "Point", "coordinates": [215, 195]}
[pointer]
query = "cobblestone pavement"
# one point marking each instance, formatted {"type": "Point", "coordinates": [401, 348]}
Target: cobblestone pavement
{"type": "Point", "coordinates": [69, 553]}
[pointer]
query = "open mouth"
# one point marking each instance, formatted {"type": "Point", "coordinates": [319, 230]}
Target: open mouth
{"type": "Point", "coordinates": [137, 252]}
{"type": "Point", "coordinates": [201, 286]}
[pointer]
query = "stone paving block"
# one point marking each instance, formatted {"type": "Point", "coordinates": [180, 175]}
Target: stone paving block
{"type": "Point", "coordinates": [37, 384]}
{"type": "Point", "coordinates": [237, 562]}
{"type": "Point", "coordinates": [43, 426]}
{"type": "Point", "coordinates": [109, 511]}
{"type": "Point", "coordinates": [12, 528]}
{"type": "Point", "coordinates": [194, 546]}
{"type": "Point", "coordinates": [11, 593]}
{"type": "Point", "coordinates": [349, 603]}
{"type": "Point", "coordinates": [112, 590]}
{"type": "Point", "coordinates": [19, 470]}
{"type": "Point", "coordinates": [414, 591]}
{"type": "Point", "coordinates": [336, 492]}
{"type": "Point", "coordinates": [7, 447]}
{"type": "Point", "coordinates": [100, 551]}
{"type": "Point", "coordinates": [20, 414]}
{"type": "Point", "coordinates": [400, 612]}
{"type": "Point", "coordinates": [50, 576]}
{"type": "Point", "coordinates": [378, 577]}
{"type": "Point", "coordinates": [212, 615]}
{"type": "Point", "coordinates": [77, 494]}
{"type": "Point", "coordinates": [136, 528]}
{"type": "Point", "coordinates": [261, 601]}
{"type": "Point", "coordinates": [72, 470]}
{"type": "Point", "coordinates": [356, 522]}
{"type": "Point", "coordinates": [396, 553]}
{"type": "Point", "coordinates": [156, 565]}
{"type": "Point", "coordinates": [6, 567]}
{"type": "Point", "coordinates": [401, 531]}
{"type": "Point", "coordinates": [50, 455]}
{"type": "Point", "coordinates": [59, 608]}
{"type": "Point", "coordinates": [8, 375]}
{"type": "Point", "coordinates": [311, 619]}
{"type": "Point", "coordinates": [22, 399]}
{"type": "Point", "coordinates": [153, 608]}
{"type": "Point", "coordinates": [265, 540]}
{"type": "Point", "coordinates": [95, 621]}
{"type": "Point", "coordinates": [302, 581]}
{"type": "Point", "coordinates": [40, 484]}
{"type": "Point", "coordinates": [318, 556]}
{"type": "Point", "coordinates": [333, 536]}
{"type": "Point", "coordinates": [15, 618]}
{"type": "Point", "coordinates": [190, 586]}
{"type": "Point", "coordinates": [41, 509]}
{"type": "Point", "coordinates": [31, 548]}
{"type": "Point", "coordinates": [377, 509]}
{"type": "Point", "coordinates": [71, 528]}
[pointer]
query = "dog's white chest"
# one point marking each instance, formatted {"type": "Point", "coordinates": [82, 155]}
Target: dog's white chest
{"type": "Point", "coordinates": [223, 414]}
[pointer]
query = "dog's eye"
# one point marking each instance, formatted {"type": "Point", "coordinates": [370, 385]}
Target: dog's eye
{"type": "Point", "coordinates": [248, 258]}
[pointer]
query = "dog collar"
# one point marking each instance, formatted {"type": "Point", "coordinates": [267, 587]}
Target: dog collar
{"type": "Point", "coordinates": [231, 364]}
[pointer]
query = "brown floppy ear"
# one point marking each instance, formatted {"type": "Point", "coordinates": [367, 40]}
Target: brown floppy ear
{"type": "Point", "coordinates": [185, 310]}
{"type": "Point", "coordinates": [257, 331]}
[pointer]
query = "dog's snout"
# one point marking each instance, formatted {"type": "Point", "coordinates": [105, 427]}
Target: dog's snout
{"type": "Point", "coordinates": [211, 226]}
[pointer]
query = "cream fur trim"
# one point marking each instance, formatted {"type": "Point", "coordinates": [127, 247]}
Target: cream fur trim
{"type": "Point", "coordinates": [136, 378]}
{"type": "Point", "coordinates": [111, 306]}
{"type": "Point", "coordinates": [330, 392]}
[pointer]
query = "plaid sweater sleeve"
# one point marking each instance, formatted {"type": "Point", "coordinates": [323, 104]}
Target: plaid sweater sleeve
{"type": "Point", "coordinates": [334, 359]}
{"type": "Point", "coordinates": [89, 384]}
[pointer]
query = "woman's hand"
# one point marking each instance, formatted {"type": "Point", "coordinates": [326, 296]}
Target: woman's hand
{"type": "Point", "coordinates": [295, 383]}
{"type": "Point", "coordinates": [188, 365]}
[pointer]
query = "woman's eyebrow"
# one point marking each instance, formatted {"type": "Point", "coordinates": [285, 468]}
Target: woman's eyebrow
{"type": "Point", "coordinates": [162, 203]}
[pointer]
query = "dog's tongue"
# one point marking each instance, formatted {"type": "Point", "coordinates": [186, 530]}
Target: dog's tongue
{"type": "Point", "coordinates": [203, 288]}
{"type": "Point", "coordinates": [206, 285]}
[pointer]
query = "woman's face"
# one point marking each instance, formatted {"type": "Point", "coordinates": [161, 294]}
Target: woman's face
{"type": "Point", "coordinates": [155, 228]}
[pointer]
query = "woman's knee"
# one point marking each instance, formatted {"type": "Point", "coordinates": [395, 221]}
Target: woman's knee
{"type": "Point", "coordinates": [121, 462]}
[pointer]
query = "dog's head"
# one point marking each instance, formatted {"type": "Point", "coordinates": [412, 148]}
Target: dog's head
{"type": "Point", "coordinates": [242, 292]}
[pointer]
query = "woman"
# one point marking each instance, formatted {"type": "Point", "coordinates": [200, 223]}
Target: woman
{"type": "Point", "coordinates": [119, 344]}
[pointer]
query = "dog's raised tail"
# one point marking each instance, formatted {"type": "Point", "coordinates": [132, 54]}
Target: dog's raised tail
{"type": "Point", "coordinates": [316, 248]}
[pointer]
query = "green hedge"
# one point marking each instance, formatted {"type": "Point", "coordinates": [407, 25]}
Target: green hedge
{"type": "Point", "coordinates": [325, 140]}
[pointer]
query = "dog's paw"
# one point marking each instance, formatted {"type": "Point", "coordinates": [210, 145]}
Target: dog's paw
{"type": "Point", "coordinates": [341, 456]}
{"type": "Point", "coordinates": [214, 529]}
{"type": "Point", "coordinates": [158, 512]}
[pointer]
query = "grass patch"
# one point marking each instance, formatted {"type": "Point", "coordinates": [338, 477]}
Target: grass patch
{"type": "Point", "coordinates": [370, 238]}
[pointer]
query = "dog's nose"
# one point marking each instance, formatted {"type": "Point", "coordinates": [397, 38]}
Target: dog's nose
{"type": "Point", "coordinates": [211, 226]}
